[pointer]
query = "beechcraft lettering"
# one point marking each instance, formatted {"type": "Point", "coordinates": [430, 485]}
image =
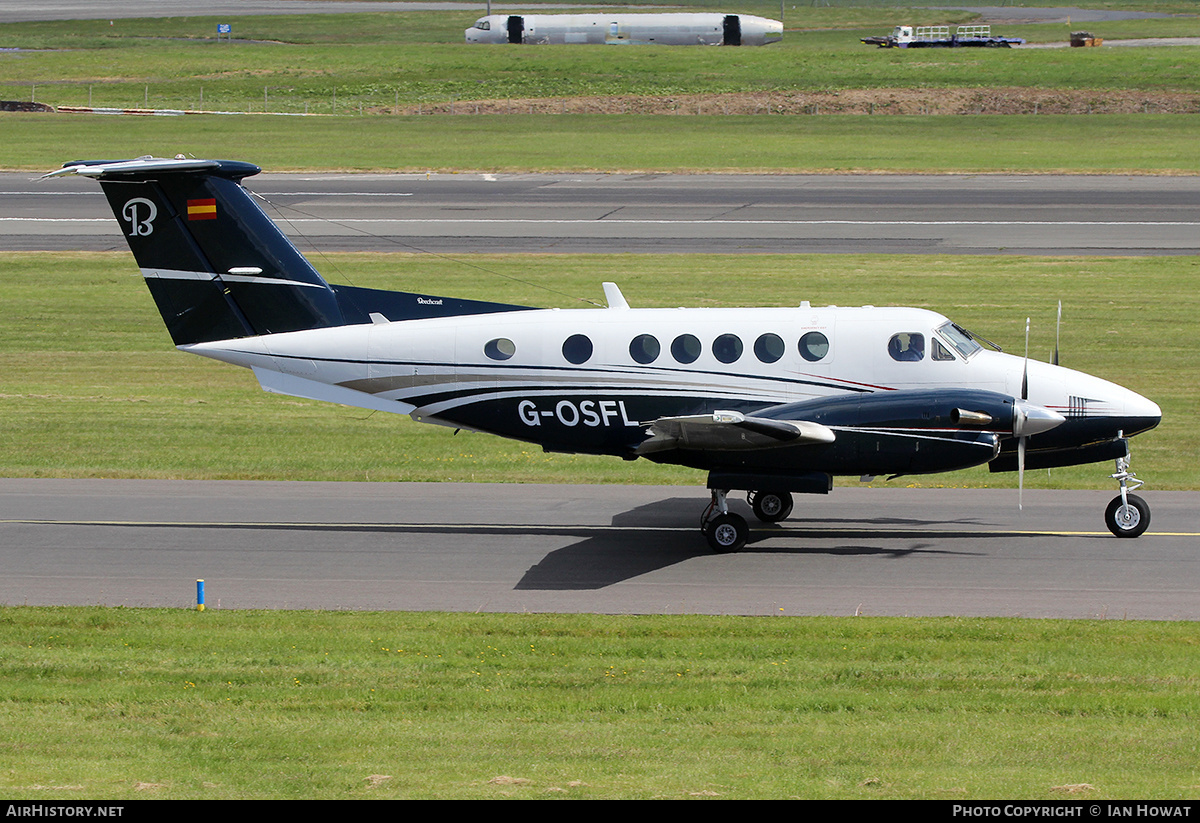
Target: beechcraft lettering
{"type": "Point", "coordinates": [587, 412]}
{"type": "Point", "coordinates": [769, 401]}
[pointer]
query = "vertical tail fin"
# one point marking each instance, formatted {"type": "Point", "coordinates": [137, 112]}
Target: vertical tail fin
{"type": "Point", "coordinates": [217, 266]}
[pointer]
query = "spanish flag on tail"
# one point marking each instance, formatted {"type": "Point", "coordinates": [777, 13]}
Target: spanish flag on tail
{"type": "Point", "coordinates": [202, 209]}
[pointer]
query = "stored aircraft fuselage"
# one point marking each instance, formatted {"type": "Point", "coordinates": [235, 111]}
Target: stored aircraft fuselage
{"type": "Point", "coordinates": [623, 28]}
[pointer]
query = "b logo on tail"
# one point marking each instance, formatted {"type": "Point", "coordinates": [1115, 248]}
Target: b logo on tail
{"type": "Point", "coordinates": [140, 226]}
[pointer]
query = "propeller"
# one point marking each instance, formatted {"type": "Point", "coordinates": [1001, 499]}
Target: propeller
{"type": "Point", "coordinates": [1029, 418]}
{"type": "Point", "coordinates": [1021, 439]}
{"type": "Point", "coordinates": [1057, 329]}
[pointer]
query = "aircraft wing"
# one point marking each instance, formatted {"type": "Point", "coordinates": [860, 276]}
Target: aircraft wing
{"type": "Point", "coordinates": [730, 430]}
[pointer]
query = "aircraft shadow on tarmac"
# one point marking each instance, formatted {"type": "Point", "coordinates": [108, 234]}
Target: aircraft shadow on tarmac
{"type": "Point", "coordinates": [664, 533]}
{"type": "Point", "coordinates": [654, 536]}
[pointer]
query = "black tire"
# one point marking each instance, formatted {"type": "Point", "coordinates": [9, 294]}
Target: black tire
{"type": "Point", "coordinates": [726, 533]}
{"type": "Point", "coordinates": [771, 507]}
{"type": "Point", "coordinates": [1127, 519]}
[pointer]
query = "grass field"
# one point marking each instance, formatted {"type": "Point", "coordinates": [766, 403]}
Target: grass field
{"type": "Point", "coordinates": [171, 704]}
{"type": "Point", "coordinates": [366, 68]}
{"type": "Point", "coordinates": [1153, 144]}
{"type": "Point", "coordinates": [335, 63]}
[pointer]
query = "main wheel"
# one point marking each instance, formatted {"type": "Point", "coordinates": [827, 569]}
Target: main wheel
{"type": "Point", "coordinates": [726, 533]}
{"type": "Point", "coordinates": [771, 507]}
{"type": "Point", "coordinates": [1127, 518]}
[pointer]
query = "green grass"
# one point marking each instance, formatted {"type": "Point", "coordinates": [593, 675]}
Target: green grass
{"type": "Point", "coordinates": [1098, 144]}
{"type": "Point", "coordinates": [380, 64]}
{"type": "Point", "coordinates": [324, 63]}
{"type": "Point", "coordinates": [90, 385]}
{"type": "Point", "coordinates": [105, 703]}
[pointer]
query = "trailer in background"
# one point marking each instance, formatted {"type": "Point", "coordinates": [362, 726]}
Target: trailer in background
{"type": "Point", "coordinates": [939, 37]}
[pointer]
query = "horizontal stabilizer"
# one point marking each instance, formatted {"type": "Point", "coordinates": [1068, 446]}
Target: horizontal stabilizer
{"type": "Point", "coordinates": [293, 386]}
{"type": "Point", "coordinates": [724, 430]}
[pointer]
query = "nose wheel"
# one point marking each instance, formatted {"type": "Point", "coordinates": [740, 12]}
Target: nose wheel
{"type": "Point", "coordinates": [1127, 514]}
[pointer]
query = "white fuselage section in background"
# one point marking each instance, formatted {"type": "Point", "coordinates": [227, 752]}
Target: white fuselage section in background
{"type": "Point", "coordinates": [692, 29]}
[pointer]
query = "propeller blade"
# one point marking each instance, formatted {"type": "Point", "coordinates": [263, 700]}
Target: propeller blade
{"type": "Point", "coordinates": [1021, 474]}
{"type": "Point", "coordinates": [1021, 439]}
{"type": "Point", "coordinates": [1025, 373]}
{"type": "Point", "coordinates": [1057, 328]}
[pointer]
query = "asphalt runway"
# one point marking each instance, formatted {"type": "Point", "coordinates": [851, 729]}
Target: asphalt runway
{"type": "Point", "coordinates": [663, 213]}
{"type": "Point", "coordinates": [15, 11]}
{"type": "Point", "coordinates": [601, 549]}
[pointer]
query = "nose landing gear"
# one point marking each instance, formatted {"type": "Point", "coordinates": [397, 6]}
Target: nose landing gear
{"type": "Point", "coordinates": [1127, 514]}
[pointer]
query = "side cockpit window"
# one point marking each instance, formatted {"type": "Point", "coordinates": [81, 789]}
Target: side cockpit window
{"type": "Point", "coordinates": [959, 339]}
{"type": "Point", "coordinates": [907, 347]}
{"type": "Point", "coordinates": [938, 351]}
{"type": "Point", "coordinates": [483, 24]}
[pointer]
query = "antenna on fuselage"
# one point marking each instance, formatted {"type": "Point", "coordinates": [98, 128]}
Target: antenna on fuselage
{"type": "Point", "coordinates": [613, 296]}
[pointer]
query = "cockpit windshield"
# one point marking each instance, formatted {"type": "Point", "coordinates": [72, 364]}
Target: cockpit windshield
{"type": "Point", "coordinates": [962, 342]}
{"type": "Point", "coordinates": [482, 23]}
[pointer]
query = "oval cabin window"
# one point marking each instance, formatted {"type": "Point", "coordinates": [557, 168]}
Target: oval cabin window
{"type": "Point", "coordinates": [686, 348]}
{"type": "Point", "coordinates": [500, 349]}
{"type": "Point", "coordinates": [644, 348]}
{"type": "Point", "coordinates": [768, 348]}
{"type": "Point", "coordinates": [814, 346]}
{"type": "Point", "coordinates": [727, 348]}
{"type": "Point", "coordinates": [577, 349]}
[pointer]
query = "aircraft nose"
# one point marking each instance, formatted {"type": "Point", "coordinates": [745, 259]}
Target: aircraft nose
{"type": "Point", "coordinates": [1144, 408]}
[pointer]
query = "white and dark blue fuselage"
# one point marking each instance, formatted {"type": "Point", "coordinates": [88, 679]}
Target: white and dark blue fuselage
{"type": "Point", "coordinates": [597, 380]}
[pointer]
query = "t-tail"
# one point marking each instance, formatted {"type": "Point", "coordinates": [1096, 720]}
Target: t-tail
{"type": "Point", "coordinates": [219, 268]}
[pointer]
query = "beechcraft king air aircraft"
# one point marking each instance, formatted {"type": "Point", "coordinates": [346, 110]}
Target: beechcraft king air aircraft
{"type": "Point", "coordinates": [772, 401]}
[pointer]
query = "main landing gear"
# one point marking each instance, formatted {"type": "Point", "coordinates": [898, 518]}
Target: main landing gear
{"type": "Point", "coordinates": [728, 532]}
{"type": "Point", "coordinates": [1127, 515]}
